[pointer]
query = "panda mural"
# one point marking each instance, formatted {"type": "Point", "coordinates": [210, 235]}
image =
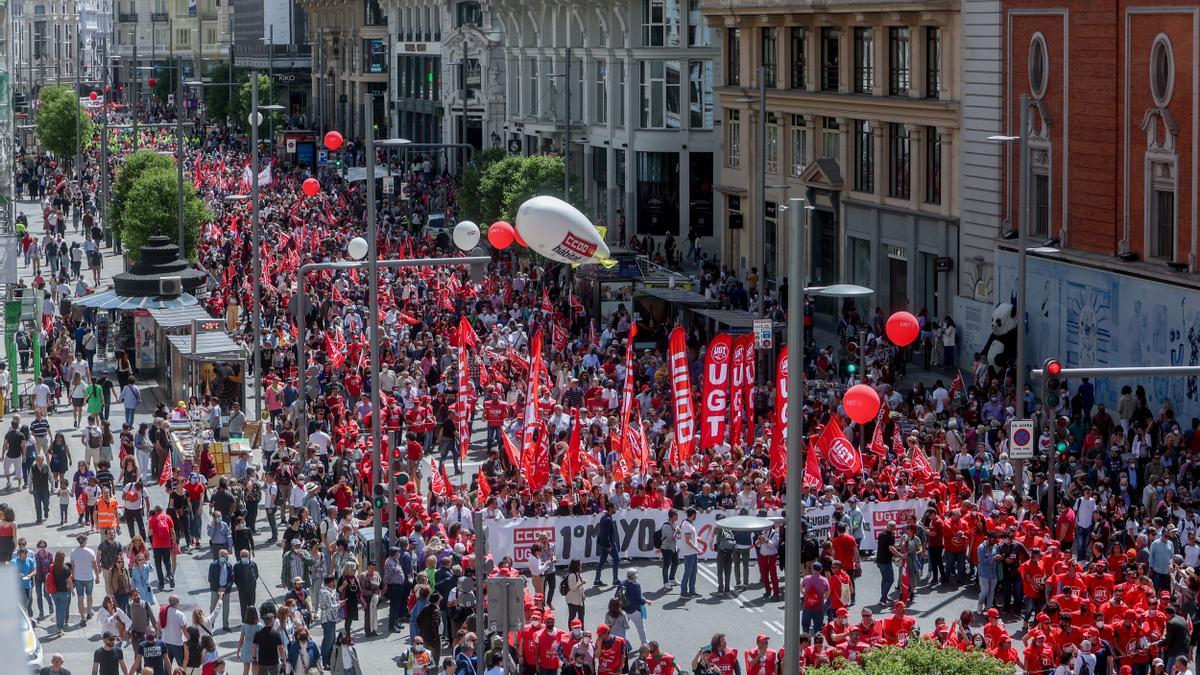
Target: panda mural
{"type": "Point", "coordinates": [1000, 350]}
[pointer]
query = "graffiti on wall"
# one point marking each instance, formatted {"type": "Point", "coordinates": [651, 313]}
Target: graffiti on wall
{"type": "Point", "coordinates": [1096, 318]}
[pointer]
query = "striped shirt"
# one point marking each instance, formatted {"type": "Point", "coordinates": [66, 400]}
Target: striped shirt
{"type": "Point", "coordinates": [40, 427]}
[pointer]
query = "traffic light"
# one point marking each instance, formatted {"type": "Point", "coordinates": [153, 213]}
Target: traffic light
{"type": "Point", "coordinates": [1061, 435]}
{"type": "Point", "coordinates": [1052, 384]}
{"type": "Point", "coordinates": [851, 357]}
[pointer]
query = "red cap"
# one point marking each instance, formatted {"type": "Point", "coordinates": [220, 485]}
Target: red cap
{"type": "Point", "coordinates": [602, 629]}
{"type": "Point", "coordinates": [762, 637]}
{"type": "Point", "coordinates": [842, 611]}
{"type": "Point", "coordinates": [576, 623]}
{"type": "Point", "coordinates": [993, 613]}
{"type": "Point", "coordinates": [899, 604]}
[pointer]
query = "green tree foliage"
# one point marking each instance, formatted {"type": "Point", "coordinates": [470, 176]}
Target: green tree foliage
{"type": "Point", "coordinates": [151, 208]}
{"type": "Point", "coordinates": [58, 114]}
{"type": "Point", "coordinates": [240, 105]}
{"type": "Point", "coordinates": [164, 82]}
{"type": "Point", "coordinates": [218, 98]}
{"type": "Point", "coordinates": [469, 201]}
{"type": "Point", "coordinates": [506, 184]}
{"type": "Point", "coordinates": [134, 167]}
{"type": "Point", "coordinates": [919, 657]}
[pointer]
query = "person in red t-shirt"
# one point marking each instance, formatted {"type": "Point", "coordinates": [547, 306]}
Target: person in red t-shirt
{"type": "Point", "coordinates": [528, 641]}
{"type": "Point", "coordinates": [841, 587]}
{"type": "Point", "coordinates": [162, 538]}
{"type": "Point", "coordinates": [898, 627]}
{"type": "Point", "coordinates": [1033, 584]}
{"type": "Point", "coordinates": [761, 660]}
{"type": "Point", "coordinates": [1130, 641]}
{"type": "Point", "coordinates": [1005, 652]}
{"type": "Point", "coordinates": [1038, 658]}
{"type": "Point", "coordinates": [993, 630]}
{"type": "Point", "coordinates": [495, 411]}
{"type": "Point", "coordinates": [550, 646]}
{"type": "Point", "coordinates": [610, 652]}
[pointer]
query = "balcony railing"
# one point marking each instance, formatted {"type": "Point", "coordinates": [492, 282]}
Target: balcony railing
{"type": "Point", "coordinates": [125, 17]}
{"type": "Point", "coordinates": [158, 17]}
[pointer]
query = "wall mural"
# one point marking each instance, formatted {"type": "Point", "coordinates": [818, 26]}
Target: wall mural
{"type": "Point", "coordinates": [1089, 317]}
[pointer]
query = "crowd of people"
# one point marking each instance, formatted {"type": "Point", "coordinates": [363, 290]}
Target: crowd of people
{"type": "Point", "coordinates": [1098, 561]}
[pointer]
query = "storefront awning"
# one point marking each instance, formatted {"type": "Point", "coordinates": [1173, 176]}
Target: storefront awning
{"type": "Point", "coordinates": [678, 296]}
{"type": "Point", "coordinates": [110, 300]}
{"type": "Point", "coordinates": [178, 317]}
{"type": "Point", "coordinates": [209, 347]}
{"type": "Point", "coordinates": [732, 318]}
{"type": "Point", "coordinates": [358, 174]}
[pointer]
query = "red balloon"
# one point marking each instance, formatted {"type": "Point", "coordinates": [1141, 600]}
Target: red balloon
{"type": "Point", "coordinates": [519, 238]}
{"type": "Point", "coordinates": [333, 140]}
{"type": "Point", "coordinates": [92, 96]}
{"type": "Point", "coordinates": [500, 235]}
{"type": "Point", "coordinates": [311, 186]}
{"type": "Point", "coordinates": [152, 82]}
{"type": "Point", "coordinates": [861, 403]}
{"type": "Point", "coordinates": [902, 328]}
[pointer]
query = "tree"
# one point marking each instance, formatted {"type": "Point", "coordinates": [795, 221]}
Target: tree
{"type": "Point", "coordinates": [151, 208]}
{"type": "Point", "coordinates": [919, 657]}
{"type": "Point", "coordinates": [505, 184]}
{"type": "Point", "coordinates": [164, 81]}
{"type": "Point", "coordinates": [218, 98]}
{"type": "Point", "coordinates": [469, 198]}
{"type": "Point", "coordinates": [58, 113]}
{"type": "Point", "coordinates": [240, 106]}
{"type": "Point", "coordinates": [136, 165]}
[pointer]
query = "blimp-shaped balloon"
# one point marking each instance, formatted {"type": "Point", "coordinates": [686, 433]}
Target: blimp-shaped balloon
{"type": "Point", "coordinates": [559, 231]}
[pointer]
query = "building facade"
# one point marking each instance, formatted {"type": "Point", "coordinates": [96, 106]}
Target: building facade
{"type": "Point", "coordinates": [269, 36]}
{"type": "Point", "coordinates": [638, 76]}
{"type": "Point", "coordinates": [350, 50]}
{"type": "Point", "coordinates": [196, 34]}
{"type": "Point", "coordinates": [862, 119]}
{"type": "Point", "coordinates": [45, 40]}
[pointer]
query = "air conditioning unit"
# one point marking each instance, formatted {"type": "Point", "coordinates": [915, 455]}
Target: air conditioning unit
{"type": "Point", "coordinates": [170, 286]}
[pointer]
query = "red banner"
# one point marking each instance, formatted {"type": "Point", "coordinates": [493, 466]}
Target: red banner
{"type": "Point", "coordinates": [681, 391]}
{"type": "Point", "coordinates": [627, 391]}
{"type": "Point", "coordinates": [437, 480]}
{"type": "Point", "coordinates": [571, 463]}
{"type": "Point", "coordinates": [737, 399]}
{"type": "Point", "coordinates": [812, 469]}
{"type": "Point", "coordinates": [538, 466]}
{"type": "Point", "coordinates": [559, 336]}
{"type": "Point", "coordinates": [838, 450]}
{"type": "Point", "coordinates": [531, 394]}
{"type": "Point", "coordinates": [877, 445]}
{"type": "Point", "coordinates": [748, 373]}
{"type": "Point", "coordinates": [714, 397]}
{"type": "Point", "coordinates": [463, 402]}
{"type": "Point", "coordinates": [779, 435]}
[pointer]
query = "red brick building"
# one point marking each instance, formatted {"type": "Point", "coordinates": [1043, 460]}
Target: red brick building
{"type": "Point", "coordinates": [1112, 92]}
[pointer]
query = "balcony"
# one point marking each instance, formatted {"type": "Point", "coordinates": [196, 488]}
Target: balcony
{"type": "Point", "coordinates": [124, 17]}
{"type": "Point", "coordinates": [158, 17]}
{"type": "Point", "coordinates": [815, 6]}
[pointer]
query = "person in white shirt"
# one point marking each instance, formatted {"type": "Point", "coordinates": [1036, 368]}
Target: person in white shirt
{"type": "Point", "coordinates": [1085, 510]}
{"type": "Point", "coordinates": [689, 547]}
{"type": "Point", "coordinates": [84, 568]}
{"type": "Point", "coordinates": [747, 499]}
{"type": "Point", "coordinates": [459, 514]}
{"type": "Point", "coordinates": [41, 396]}
{"type": "Point", "coordinates": [173, 628]}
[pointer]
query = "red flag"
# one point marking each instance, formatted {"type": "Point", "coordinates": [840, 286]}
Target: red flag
{"type": "Point", "coordinates": [681, 389]}
{"type": "Point", "coordinates": [737, 401]}
{"type": "Point", "coordinates": [779, 435]}
{"type": "Point", "coordinates": [571, 462]}
{"type": "Point", "coordinates": [812, 469]}
{"type": "Point", "coordinates": [539, 465]}
{"type": "Point", "coordinates": [877, 445]}
{"type": "Point", "coordinates": [714, 397]}
{"type": "Point", "coordinates": [897, 442]}
{"type": "Point", "coordinates": [920, 463]}
{"type": "Point", "coordinates": [838, 450]}
{"type": "Point", "coordinates": [437, 480]}
{"type": "Point", "coordinates": [531, 394]}
{"type": "Point", "coordinates": [165, 474]}
{"type": "Point", "coordinates": [485, 490]}
{"type": "Point", "coordinates": [958, 385]}
{"type": "Point", "coordinates": [560, 338]}
{"type": "Point", "coordinates": [593, 339]}
{"type": "Point", "coordinates": [409, 319]}
{"type": "Point", "coordinates": [627, 390]}
{"type": "Point", "coordinates": [466, 333]}
{"type": "Point", "coordinates": [748, 387]}
{"type": "Point", "coordinates": [510, 450]}
{"type": "Point", "coordinates": [546, 304]}
{"type": "Point", "coordinates": [446, 480]}
{"type": "Point", "coordinates": [463, 401]}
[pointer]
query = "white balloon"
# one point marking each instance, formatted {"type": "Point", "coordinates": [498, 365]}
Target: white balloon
{"type": "Point", "coordinates": [466, 235]}
{"type": "Point", "coordinates": [357, 248]}
{"type": "Point", "coordinates": [255, 118]}
{"type": "Point", "coordinates": [559, 231]}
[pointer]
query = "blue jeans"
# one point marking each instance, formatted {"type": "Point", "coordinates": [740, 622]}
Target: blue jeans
{"type": "Point", "coordinates": [814, 618]}
{"type": "Point", "coordinates": [605, 554]}
{"type": "Point", "coordinates": [129, 413]}
{"type": "Point", "coordinates": [328, 636]}
{"type": "Point", "coordinates": [493, 436]}
{"type": "Point", "coordinates": [887, 577]}
{"type": "Point", "coordinates": [1083, 536]}
{"type": "Point", "coordinates": [688, 583]}
{"type": "Point", "coordinates": [956, 563]}
{"type": "Point", "coordinates": [62, 608]}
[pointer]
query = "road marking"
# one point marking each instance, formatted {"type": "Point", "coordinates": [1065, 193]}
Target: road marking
{"type": "Point", "coordinates": [775, 626]}
{"type": "Point", "coordinates": [710, 575]}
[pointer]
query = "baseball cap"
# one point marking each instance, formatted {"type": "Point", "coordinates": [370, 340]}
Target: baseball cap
{"type": "Point", "coordinates": [762, 637]}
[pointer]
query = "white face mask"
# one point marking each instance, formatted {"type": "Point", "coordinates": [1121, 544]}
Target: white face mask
{"type": "Point", "coordinates": [576, 632]}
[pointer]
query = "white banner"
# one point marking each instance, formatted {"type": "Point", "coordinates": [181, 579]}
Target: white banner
{"type": "Point", "coordinates": [574, 537]}
{"type": "Point", "coordinates": [877, 515]}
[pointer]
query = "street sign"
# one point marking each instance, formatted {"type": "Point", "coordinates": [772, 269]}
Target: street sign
{"type": "Point", "coordinates": [1020, 437]}
{"type": "Point", "coordinates": [322, 157]}
{"type": "Point", "coordinates": [405, 192]}
{"type": "Point", "coordinates": [389, 186]}
{"type": "Point", "coordinates": [291, 146]}
{"type": "Point", "coordinates": [762, 333]}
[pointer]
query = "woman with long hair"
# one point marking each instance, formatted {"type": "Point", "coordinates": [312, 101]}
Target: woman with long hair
{"type": "Point", "coordinates": [113, 620]}
{"type": "Point", "coordinates": [350, 590]}
{"type": "Point", "coordinates": [78, 392]}
{"type": "Point", "coordinates": [140, 576]}
{"type": "Point", "coordinates": [60, 456]}
{"type": "Point", "coordinates": [245, 646]}
{"type": "Point", "coordinates": [62, 582]}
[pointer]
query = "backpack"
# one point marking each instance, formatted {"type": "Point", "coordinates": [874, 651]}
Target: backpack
{"type": "Point", "coordinates": [622, 594]}
{"type": "Point", "coordinates": [812, 599]}
{"type": "Point", "coordinates": [658, 537]}
{"type": "Point", "coordinates": [94, 438]}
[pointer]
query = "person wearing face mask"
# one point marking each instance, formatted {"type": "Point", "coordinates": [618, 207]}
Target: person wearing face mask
{"type": "Point", "coordinates": [345, 656]}
{"type": "Point", "coordinates": [245, 578]}
{"type": "Point", "coordinates": [419, 659]}
{"type": "Point", "coordinates": [551, 646]}
{"type": "Point", "coordinates": [303, 654]}
{"type": "Point", "coordinates": [220, 583]}
{"type": "Point", "coordinates": [610, 652]}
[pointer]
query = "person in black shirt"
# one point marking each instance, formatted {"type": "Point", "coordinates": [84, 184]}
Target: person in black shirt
{"type": "Point", "coordinates": [152, 653]}
{"type": "Point", "coordinates": [14, 451]}
{"type": "Point", "coordinates": [267, 652]}
{"type": "Point", "coordinates": [109, 659]}
{"type": "Point", "coordinates": [885, 553]}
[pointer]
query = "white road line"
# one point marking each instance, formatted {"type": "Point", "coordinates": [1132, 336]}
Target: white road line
{"type": "Point", "coordinates": [710, 575]}
{"type": "Point", "coordinates": [775, 626]}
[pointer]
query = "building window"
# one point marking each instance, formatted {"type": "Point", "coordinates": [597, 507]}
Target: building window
{"type": "Point", "coordinates": [901, 155]}
{"type": "Point", "coordinates": [1041, 205]}
{"type": "Point", "coordinates": [660, 95]}
{"type": "Point", "coordinates": [468, 14]}
{"type": "Point", "coordinates": [864, 60]}
{"type": "Point", "coordinates": [733, 56]}
{"type": "Point", "coordinates": [799, 145]}
{"type": "Point", "coordinates": [831, 137]}
{"type": "Point", "coordinates": [770, 54]}
{"type": "Point", "coordinates": [733, 138]}
{"type": "Point", "coordinates": [700, 94]}
{"type": "Point", "coordinates": [1039, 66]}
{"type": "Point", "coordinates": [933, 62]}
{"type": "Point", "coordinates": [660, 23]}
{"type": "Point", "coordinates": [772, 156]}
{"type": "Point", "coordinates": [829, 59]}
{"type": "Point", "coordinates": [864, 156]}
{"type": "Point", "coordinates": [374, 55]}
{"type": "Point", "coordinates": [1162, 71]}
{"type": "Point", "coordinates": [657, 193]}
{"type": "Point", "coordinates": [933, 166]}
{"type": "Point", "coordinates": [901, 61]}
{"type": "Point", "coordinates": [600, 114]}
{"type": "Point", "coordinates": [533, 104]}
{"type": "Point", "coordinates": [799, 56]}
{"type": "Point", "coordinates": [1162, 232]}
{"type": "Point", "coordinates": [699, 34]}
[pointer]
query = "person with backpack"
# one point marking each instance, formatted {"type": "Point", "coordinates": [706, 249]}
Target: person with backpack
{"type": "Point", "coordinates": [629, 593]}
{"type": "Point", "coordinates": [814, 591]}
{"type": "Point", "coordinates": [572, 589]}
{"type": "Point", "coordinates": [666, 540]}
{"type": "Point", "coordinates": [725, 545]}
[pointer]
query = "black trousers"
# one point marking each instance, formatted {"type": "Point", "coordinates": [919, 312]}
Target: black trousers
{"type": "Point", "coordinates": [162, 558]}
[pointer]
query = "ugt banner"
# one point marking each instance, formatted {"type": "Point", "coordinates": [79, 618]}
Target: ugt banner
{"type": "Point", "coordinates": [574, 537]}
{"type": "Point", "coordinates": [876, 516]}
